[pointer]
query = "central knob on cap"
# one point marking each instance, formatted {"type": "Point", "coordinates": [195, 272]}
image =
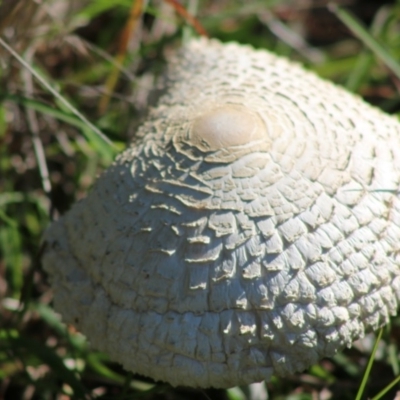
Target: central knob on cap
{"type": "Point", "coordinates": [226, 126]}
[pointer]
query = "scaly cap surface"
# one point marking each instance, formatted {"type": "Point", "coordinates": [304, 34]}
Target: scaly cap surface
{"type": "Point", "coordinates": [244, 234]}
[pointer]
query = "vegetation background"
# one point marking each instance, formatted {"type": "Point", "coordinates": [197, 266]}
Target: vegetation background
{"type": "Point", "coordinates": [99, 59]}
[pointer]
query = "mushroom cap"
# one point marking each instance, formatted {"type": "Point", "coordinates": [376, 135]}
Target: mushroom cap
{"type": "Point", "coordinates": [251, 229]}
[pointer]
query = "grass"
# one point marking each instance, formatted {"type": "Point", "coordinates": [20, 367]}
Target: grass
{"type": "Point", "coordinates": [54, 141]}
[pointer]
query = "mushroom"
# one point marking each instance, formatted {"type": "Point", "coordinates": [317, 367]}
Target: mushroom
{"type": "Point", "coordinates": [251, 229]}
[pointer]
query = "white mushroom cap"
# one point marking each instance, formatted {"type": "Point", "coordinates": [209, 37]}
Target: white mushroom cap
{"type": "Point", "coordinates": [244, 234]}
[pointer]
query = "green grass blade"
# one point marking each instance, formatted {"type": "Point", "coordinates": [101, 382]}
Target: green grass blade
{"type": "Point", "coordinates": [386, 389]}
{"type": "Point", "coordinates": [369, 41]}
{"type": "Point", "coordinates": [106, 152]}
{"type": "Point", "coordinates": [44, 109]}
{"type": "Point", "coordinates": [55, 93]}
{"type": "Point", "coordinates": [95, 8]}
{"type": "Point", "coordinates": [369, 366]}
{"type": "Point", "coordinates": [365, 61]}
{"type": "Point", "coordinates": [95, 363]}
{"type": "Point", "coordinates": [361, 70]}
{"type": "Point", "coordinates": [7, 220]}
{"type": "Point", "coordinates": [393, 359]}
{"type": "Point", "coordinates": [11, 250]}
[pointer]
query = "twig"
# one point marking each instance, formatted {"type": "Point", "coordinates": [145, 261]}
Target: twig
{"type": "Point", "coordinates": [130, 27]}
{"type": "Point", "coordinates": [188, 17]}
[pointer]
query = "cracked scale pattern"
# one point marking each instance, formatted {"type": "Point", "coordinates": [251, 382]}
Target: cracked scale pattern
{"type": "Point", "coordinates": [252, 228]}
